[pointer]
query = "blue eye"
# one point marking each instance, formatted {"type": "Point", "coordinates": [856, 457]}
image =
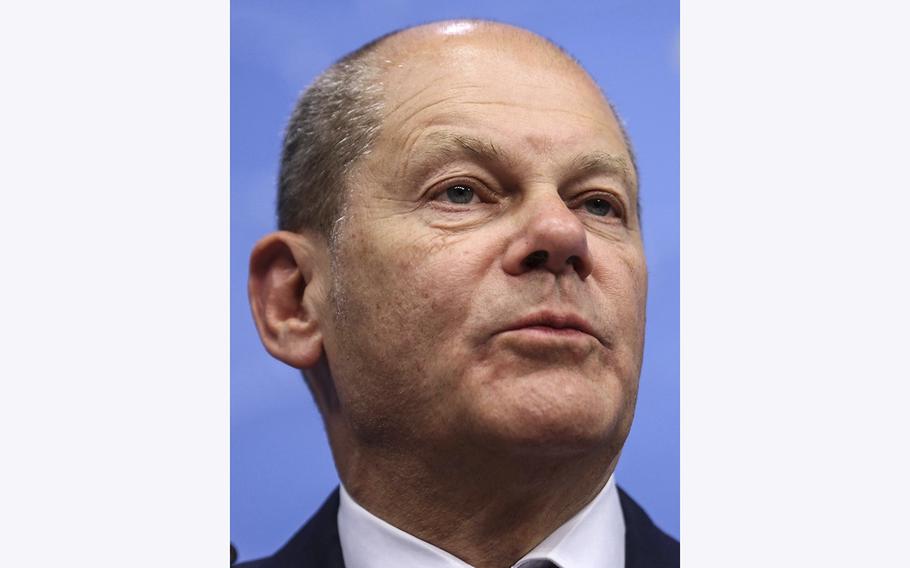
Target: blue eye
{"type": "Point", "coordinates": [461, 194]}
{"type": "Point", "coordinates": [600, 207]}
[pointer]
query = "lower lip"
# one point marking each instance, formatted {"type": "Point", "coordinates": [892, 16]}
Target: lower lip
{"type": "Point", "coordinates": [549, 332]}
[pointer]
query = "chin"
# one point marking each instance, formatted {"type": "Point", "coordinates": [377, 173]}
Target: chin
{"type": "Point", "coordinates": [554, 415]}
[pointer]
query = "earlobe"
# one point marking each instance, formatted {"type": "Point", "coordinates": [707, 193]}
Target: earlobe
{"type": "Point", "coordinates": [283, 267]}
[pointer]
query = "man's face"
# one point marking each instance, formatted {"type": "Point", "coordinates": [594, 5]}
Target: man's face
{"type": "Point", "coordinates": [489, 277]}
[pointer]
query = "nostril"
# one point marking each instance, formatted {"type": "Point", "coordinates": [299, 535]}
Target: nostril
{"type": "Point", "coordinates": [579, 265]}
{"type": "Point", "coordinates": [536, 259]}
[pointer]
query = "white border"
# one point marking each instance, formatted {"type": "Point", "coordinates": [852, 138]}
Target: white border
{"type": "Point", "coordinates": [114, 228]}
{"type": "Point", "coordinates": [794, 283]}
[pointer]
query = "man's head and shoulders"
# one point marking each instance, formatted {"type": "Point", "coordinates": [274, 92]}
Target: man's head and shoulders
{"type": "Point", "coordinates": [460, 274]}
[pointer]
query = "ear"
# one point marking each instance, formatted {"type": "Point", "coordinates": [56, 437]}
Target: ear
{"type": "Point", "coordinates": [287, 291]}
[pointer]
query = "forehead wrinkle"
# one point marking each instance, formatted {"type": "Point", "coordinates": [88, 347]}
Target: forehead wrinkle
{"type": "Point", "coordinates": [409, 98]}
{"type": "Point", "coordinates": [538, 108]}
{"type": "Point", "coordinates": [463, 95]}
{"type": "Point", "coordinates": [452, 92]}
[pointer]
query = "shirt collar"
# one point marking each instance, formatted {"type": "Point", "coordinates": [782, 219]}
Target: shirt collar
{"type": "Point", "coordinates": [594, 537]}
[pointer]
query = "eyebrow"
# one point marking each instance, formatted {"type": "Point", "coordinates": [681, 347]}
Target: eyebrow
{"type": "Point", "coordinates": [445, 146]}
{"type": "Point", "coordinates": [594, 163]}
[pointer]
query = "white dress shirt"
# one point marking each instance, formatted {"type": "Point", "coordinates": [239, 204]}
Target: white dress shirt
{"type": "Point", "coordinates": [593, 538]}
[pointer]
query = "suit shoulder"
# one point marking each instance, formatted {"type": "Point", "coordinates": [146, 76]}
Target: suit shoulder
{"type": "Point", "coordinates": [646, 545]}
{"type": "Point", "coordinates": [315, 545]}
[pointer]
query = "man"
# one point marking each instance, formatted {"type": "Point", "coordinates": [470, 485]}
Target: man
{"type": "Point", "coordinates": [460, 274]}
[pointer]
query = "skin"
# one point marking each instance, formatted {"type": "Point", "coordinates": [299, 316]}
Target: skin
{"type": "Point", "coordinates": [495, 436]}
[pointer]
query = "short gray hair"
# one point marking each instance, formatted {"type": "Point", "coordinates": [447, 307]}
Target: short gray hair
{"type": "Point", "coordinates": [335, 122]}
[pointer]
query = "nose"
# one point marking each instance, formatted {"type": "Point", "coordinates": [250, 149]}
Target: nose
{"type": "Point", "coordinates": [552, 238]}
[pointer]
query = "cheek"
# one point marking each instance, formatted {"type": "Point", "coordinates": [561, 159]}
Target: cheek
{"type": "Point", "coordinates": [622, 279]}
{"type": "Point", "coordinates": [405, 298]}
{"type": "Point", "coordinates": [620, 271]}
{"type": "Point", "coordinates": [398, 346]}
{"type": "Point", "coordinates": [434, 274]}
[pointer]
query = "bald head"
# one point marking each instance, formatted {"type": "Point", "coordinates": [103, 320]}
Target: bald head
{"type": "Point", "coordinates": [437, 37]}
{"type": "Point", "coordinates": [340, 116]}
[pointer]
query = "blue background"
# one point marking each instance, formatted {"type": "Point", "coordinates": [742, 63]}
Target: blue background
{"type": "Point", "coordinates": [281, 468]}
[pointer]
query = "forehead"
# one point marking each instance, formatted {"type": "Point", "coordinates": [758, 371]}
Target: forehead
{"type": "Point", "coordinates": [513, 93]}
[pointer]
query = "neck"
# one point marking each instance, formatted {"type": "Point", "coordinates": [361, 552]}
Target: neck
{"type": "Point", "coordinates": [489, 510]}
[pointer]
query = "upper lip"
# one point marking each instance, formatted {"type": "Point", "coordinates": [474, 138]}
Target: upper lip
{"type": "Point", "coordinates": [555, 319]}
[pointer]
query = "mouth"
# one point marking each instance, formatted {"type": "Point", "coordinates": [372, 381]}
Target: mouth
{"type": "Point", "coordinates": [554, 324]}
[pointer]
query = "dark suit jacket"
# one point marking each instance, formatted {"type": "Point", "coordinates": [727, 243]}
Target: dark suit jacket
{"type": "Point", "coordinates": [316, 545]}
